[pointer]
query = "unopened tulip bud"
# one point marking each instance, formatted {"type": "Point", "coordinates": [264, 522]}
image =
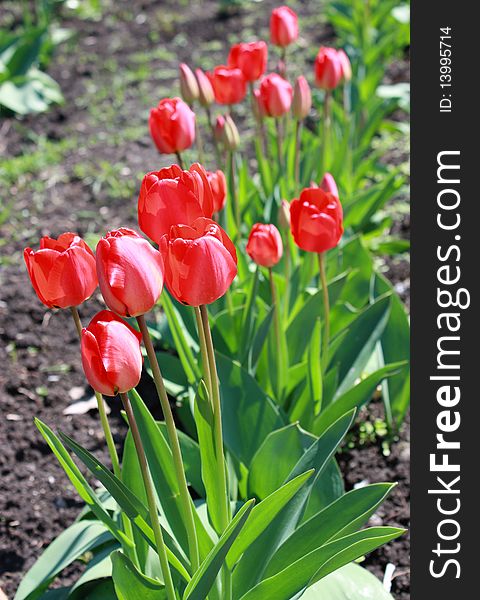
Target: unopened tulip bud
{"type": "Point", "coordinates": [302, 99]}
{"type": "Point", "coordinates": [188, 84]}
{"type": "Point", "coordinates": [284, 215]}
{"type": "Point", "coordinates": [329, 185]}
{"type": "Point", "coordinates": [206, 95]}
{"type": "Point", "coordinates": [231, 137]}
{"type": "Point", "coordinates": [219, 128]}
{"type": "Point", "coordinates": [265, 245]}
{"type": "Point", "coordinates": [346, 65]}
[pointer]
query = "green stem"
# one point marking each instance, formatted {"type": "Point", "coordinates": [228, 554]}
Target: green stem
{"type": "Point", "coordinates": [298, 139]}
{"type": "Point", "coordinates": [233, 191]}
{"type": "Point", "coordinates": [223, 495]}
{"type": "Point", "coordinates": [326, 130]}
{"type": "Point", "coordinates": [326, 307]}
{"type": "Point", "coordinates": [203, 351]}
{"type": "Point", "coordinates": [276, 320]}
{"type": "Point", "coordinates": [174, 445]}
{"type": "Point", "coordinates": [279, 143]}
{"type": "Point", "coordinates": [152, 506]}
{"type": "Point", "coordinates": [287, 259]}
{"type": "Point", "coordinates": [179, 159]}
{"type": "Point", "coordinates": [215, 143]}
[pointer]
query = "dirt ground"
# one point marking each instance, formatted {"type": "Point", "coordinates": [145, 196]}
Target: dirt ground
{"type": "Point", "coordinates": [79, 168]}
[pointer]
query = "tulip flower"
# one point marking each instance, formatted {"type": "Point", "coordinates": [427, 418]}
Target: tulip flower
{"type": "Point", "coordinates": [218, 185]}
{"type": "Point", "coordinates": [250, 58]}
{"type": "Point", "coordinates": [171, 196]}
{"type": "Point", "coordinates": [229, 84]}
{"type": "Point", "coordinates": [130, 272]}
{"type": "Point", "coordinates": [283, 26]}
{"type": "Point", "coordinates": [206, 95]}
{"type": "Point", "coordinates": [188, 84]}
{"type": "Point", "coordinates": [328, 68]}
{"type": "Point", "coordinates": [329, 185]}
{"type": "Point", "coordinates": [346, 65]}
{"type": "Point", "coordinates": [62, 271]}
{"type": "Point", "coordinates": [265, 245]}
{"type": "Point", "coordinates": [200, 262]}
{"type": "Point", "coordinates": [302, 99]}
{"type": "Point", "coordinates": [316, 220]}
{"type": "Point", "coordinates": [275, 95]}
{"type": "Point", "coordinates": [111, 355]}
{"type": "Point", "coordinates": [172, 126]}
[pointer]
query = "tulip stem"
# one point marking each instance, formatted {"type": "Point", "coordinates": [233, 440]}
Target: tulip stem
{"type": "Point", "coordinates": [327, 108]}
{"type": "Point", "coordinates": [287, 258]}
{"type": "Point", "coordinates": [326, 307]}
{"type": "Point", "coordinates": [298, 141]}
{"type": "Point", "coordinates": [112, 450]}
{"type": "Point", "coordinates": [203, 351]}
{"type": "Point", "coordinates": [278, 126]}
{"type": "Point", "coordinates": [233, 191]}
{"type": "Point", "coordinates": [282, 63]}
{"type": "Point", "coordinates": [215, 143]}
{"type": "Point", "coordinates": [152, 505]}
{"type": "Point", "coordinates": [174, 445]}
{"type": "Point", "coordinates": [180, 159]}
{"type": "Point", "coordinates": [223, 496]}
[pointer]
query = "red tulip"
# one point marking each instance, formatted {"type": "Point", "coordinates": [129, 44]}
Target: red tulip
{"type": "Point", "coordinates": [111, 355]}
{"type": "Point", "coordinates": [188, 84]}
{"type": "Point", "coordinates": [329, 185]}
{"type": "Point", "coordinates": [206, 95]}
{"type": "Point", "coordinates": [283, 26]}
{"type": "Point", "coordinates": [229, 84]}
{"type": "Point", "coordinates": [250, 58]}
{"type": "Point", "coordinates": [218, 184]}
{"type": "Point", "coordinates": [130, 272]}
{"type": "Point", "coordinates": [265, 245]}
{"type": "Point", "coordinates": [316, 220]}
{"type": "Point", "coordinates": [346, 65]}
{"type": "Point", "coordinates": [328, 68]}
{"type": "Point", "coordinates": [171, 196]}
{"type": "Point", "coordinates": [275, 95]}
{"type": "Point", "coordinates": [62, 272]}
{"type": "Point", "coordinates": [302, 99]}
{"type": "Point", "coordinates": [172, 126]}
{"type": "Point", "coordinates": [200, 262]}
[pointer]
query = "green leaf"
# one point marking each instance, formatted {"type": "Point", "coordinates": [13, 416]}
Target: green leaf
{"type": "Point", "coordinates": [263, 514]}
{"type": "Point", "coordinates": [99, 567]}
{"type": "Point", "coordinates": [130, 584]}
{"type": "Point", "coordinates": [345, 583]}
{"type": "Point", "coordinates": [136, 511]}
{"type": "Point", "coordinates": [204, 577]}
{"type": "Point", "coordinates": [342, 517]}
{"type": "Point", "coordinates": [67, 547]}
{"type": "Point", "coordinates": [204, 420]}
{"type": "Point", "coordinates": [359, 343]}
{"type": "Point", "coordinates": [355, 397]}
{"type": "Point", "coordinates": [249, 415]}
{"type": "Point", "coordinates": [319, 563]}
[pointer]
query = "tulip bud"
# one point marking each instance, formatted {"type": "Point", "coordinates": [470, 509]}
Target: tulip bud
{"type": "Point", "coordinates": [231, 137]}
{"type": "Point", "coordinates": [188, 84]}
{"type": "Point", "coordinates": [329, 185]}
{"type": "Point", "coordinates": [229, 84]}
{"type": "Point", "coordinates": [328, 68]}
{"type": "Point", "coordinates": [275, 95]}
{"type": "Point", "coordinates": [206, 95]}
{"type": "Point", "coordinates": [130, 272]}
{"type": "Point", "coordinates": [346, 65]}
{"type": "Point", "coordinates": [200, 262]}
{"type": "Point", "coordinates": [111, 355]}
{"type": "Point", "coordinates": [283, 26]}
{"type": "Point", "coordinates": [302, 99]}
{"type": "Point", "coordinates": [62, 272]}
{"type": "Point", "coordinates": [265, 245]}
{"type": "Point", "coordinates": [219, 129]}
{"type": "Point", "coordinates": [172, 125]}
{"type": "Point", "coordinates": [250, 58]}
{"type": "Point", "coordinates": [284, 215]}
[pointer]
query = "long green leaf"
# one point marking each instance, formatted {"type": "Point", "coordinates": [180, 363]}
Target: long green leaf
{"type": "Point", "coordinates": [131, 584]}
{"type": "Point", "coordinates": [204, 578]}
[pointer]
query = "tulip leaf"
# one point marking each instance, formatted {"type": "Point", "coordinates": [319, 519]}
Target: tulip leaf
{"type": "Point", "coordinates": [263, 514]}
{"type": "Point", "coordinates": [74, 541]}
{"type": "Point", "coordinates": [131, 584]}
{"type": "Point", "coordinates": [249, 415]}
{"type": "Point", "coordinates": [136, 511]}
{"type": "Point", "coordinates": [252, 565]}
{"type": "Point", "coordinates": [317, 564]}
{"type": "Point", "coordinates": [355, 397]}
{"type": "Point", "coordinates": [345, 582]}
{"type": "Point", "coordinates": [204, 577]}
{"type": "Point", "coordinates": [342, 517]}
